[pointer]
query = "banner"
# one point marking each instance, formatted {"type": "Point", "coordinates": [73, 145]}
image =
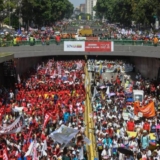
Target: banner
{"type": "Point", "coordinates": [74, 46]}
{"type": "Point", "coordinates": [147, 111]}
{"type": "Point", "coordinates": [92, 38]}
{"type": "Point", "coordinates": [64, 134]}
{"type": "Point", "coordinates": [99, 46]}
{"type": "Point", "coordinates": [15, 127]}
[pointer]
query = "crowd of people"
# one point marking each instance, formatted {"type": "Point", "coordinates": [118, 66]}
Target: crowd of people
{"type": "Point", "coordinates": [121, 133]}
{"type": "Point", "coordinates": [53, 96]}
{"type": "Point", "coordinates": [109, 66]}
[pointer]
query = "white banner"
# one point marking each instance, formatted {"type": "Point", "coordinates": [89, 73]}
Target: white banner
{"type": "Point", "coordinates": [15, 127]}
{"type": "Point", "coordinates": [74, 46]}
{"type": "Point", "coordinates": [64, 134]}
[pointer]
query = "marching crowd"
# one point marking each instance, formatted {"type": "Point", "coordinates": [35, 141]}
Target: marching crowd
{"type": "Point", "coordinates": [52, 96]}
{"type": "Point", "coordinates": [134, 137]}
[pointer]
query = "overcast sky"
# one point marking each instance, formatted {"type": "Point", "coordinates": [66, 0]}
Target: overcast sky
{"type": "Point", "coordinates": [76, 3]}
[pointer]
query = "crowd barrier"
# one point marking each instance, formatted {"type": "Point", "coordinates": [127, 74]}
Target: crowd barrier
{"type": "Point", "coordinates": [52, 41]}
{"type": "Point", "coordinates": [92, 153]}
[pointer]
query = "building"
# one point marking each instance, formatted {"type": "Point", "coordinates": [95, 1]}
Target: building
{"type": "Point", "coordinates": [93, 5]}
{"type": "Point", "coordinates": [82, 8]}
{"type": "Point", "coordinates": [89, 7]}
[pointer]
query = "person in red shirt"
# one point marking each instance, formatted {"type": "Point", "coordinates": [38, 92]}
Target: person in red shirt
{"type": "Point", "coordinates": [146, 126]}
{"type": "Point", "coordinates": [58, 39]}
{"type": "Point", "coordinates": [130, 125]}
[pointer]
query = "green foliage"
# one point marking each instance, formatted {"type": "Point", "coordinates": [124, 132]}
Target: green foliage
{"type": "Point", "coordinates": [125, 11]}
{"type": "Point", "coordinates": [43, 12]}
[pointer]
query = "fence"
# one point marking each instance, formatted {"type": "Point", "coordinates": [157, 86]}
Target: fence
{"type": "Point", "coordinates": [52, 41]}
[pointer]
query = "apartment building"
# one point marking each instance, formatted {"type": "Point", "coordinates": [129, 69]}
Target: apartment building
{"type": "Point", "coordinates": [89, 7]}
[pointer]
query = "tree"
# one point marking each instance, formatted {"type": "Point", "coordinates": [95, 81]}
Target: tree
{"type": "Point", "coordinates": [125, 11]}
{"type": "Point", "coordinates": [6, 9]}
{"type": "Point", "coordinates": [43, 12]}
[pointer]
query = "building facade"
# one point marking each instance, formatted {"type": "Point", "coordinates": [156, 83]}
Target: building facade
{"type": "Point", "coordinates": [89, 7]}
{"type": "Point", "coordinates": [82, 8]}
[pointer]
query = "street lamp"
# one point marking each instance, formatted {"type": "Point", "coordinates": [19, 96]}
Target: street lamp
{"type": "Point", "coordinates": [9, 13]}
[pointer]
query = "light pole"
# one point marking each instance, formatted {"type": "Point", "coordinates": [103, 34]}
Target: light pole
{"type": "Point", "coordinates": [9, 13]}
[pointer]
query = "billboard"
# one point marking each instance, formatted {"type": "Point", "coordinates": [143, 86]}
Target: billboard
{"type": "Point", "coordinates": [78, 46]}
{"type": "Point", "coordinates": [99, 46]}
{"type": "Point", "coordinates": [88, 46]}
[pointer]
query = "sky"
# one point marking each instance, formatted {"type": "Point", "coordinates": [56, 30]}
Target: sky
{"type": "Point", "coordinates": [76, 3]}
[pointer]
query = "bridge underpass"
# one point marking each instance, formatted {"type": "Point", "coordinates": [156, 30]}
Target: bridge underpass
{"type": "Point", "coordinates": [53, 49]}
{"type": "Point", "coordinates": [146, 58]}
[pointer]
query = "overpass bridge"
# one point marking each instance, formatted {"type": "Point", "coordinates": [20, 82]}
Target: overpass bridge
{"type": "Point", "coordinates": [145, 57]}
{"type": "Point", "coordinates": [120, 49]}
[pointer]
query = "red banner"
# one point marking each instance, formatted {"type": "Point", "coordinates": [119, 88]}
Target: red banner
{"type": "Point", "coordinates": [92, 38]}
{"type": "Point", "coordinates": [99, 46]}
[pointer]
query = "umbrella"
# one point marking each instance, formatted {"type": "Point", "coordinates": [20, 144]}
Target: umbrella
{"type": "Point", "coordinates": [129, 100]}
{"type": "Point", "coordinates": [125, 151]}
{"type": "Point", "coordinates": [111, 94]}
{"type": "Point", "coordinates": [102, 87]}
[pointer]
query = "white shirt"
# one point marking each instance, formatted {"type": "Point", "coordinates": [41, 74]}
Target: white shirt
{"type": "Point", "coordinates": [104, 153]}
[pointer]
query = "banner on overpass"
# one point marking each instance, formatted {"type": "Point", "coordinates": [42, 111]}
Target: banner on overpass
{"type": "Point", "coordinates": [88, 46]}
{"type": "Point", "coordinates": [99, 46]}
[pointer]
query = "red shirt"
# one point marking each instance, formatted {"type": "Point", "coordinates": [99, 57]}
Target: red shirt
{"type": "Point", "coordinates": [146, 126]}
{"type": "Point", "coordinates": [58, 38]}
{"type": "Point", "coordinates": [130, 126]}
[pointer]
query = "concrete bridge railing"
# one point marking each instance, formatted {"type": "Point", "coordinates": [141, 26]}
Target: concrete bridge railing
{"type": "Point", "coordinates": [53, 49]}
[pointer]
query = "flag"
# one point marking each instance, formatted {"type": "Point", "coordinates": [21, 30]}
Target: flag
{"type": "Point", "coordinates": [19, 31]}
{"type": "Point", "coordinates": [5, 156]}
{"type": "Point", "coordinates": [108, 90]}
{"type": "Point", "coordinates": [18, 79]}
{"type": "Point", "coordinates": [44, 148]}
{"type": "Point", "coordinates": [30, 149]}
{"type": "Point", "coordinates": [35, 157]}
{"type": "Point", "coordinates": [95, 91]}
{"type": "Point", "coordinates": [64, 134]}
{"type": "Point", "coordinates": [46, 119]}
{"type": "Point", "coordinates": [147, 111]}
{"type": "Point", "coordinates": [87, 141]}
{"type": "Point", "coordinates": [74, 77]}
{"type": "Point", "coordinates": [1, 112]}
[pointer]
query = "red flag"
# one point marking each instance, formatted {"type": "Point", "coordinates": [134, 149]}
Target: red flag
{"type": "Point", "coordinates": [46, 119]}
{"type": "Point", "coordinates": [1, 112]}
{"type": "Point", "coordinates": [35, 157]}
{"type": "Point", "coordinates": [5, 156]}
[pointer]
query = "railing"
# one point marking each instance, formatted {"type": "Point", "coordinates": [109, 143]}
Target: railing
{"type": "Point", "coordinates": [52, 41]}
